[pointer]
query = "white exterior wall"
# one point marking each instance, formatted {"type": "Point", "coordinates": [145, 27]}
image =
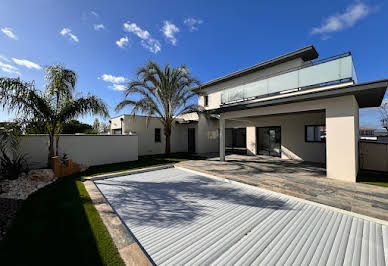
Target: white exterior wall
{"type": "Point", "coordinates": [341, 130]}
{"type": "Point", "coordinates": [146, 134]}
{"type": "Point", "coordinates": [293, 144]}
{"type": "Point", "coordinates": [207, 136]}
{"type": "Point", "coordinates": [214, 92]}
{"type": "Point", "coordinates": [84, 149]}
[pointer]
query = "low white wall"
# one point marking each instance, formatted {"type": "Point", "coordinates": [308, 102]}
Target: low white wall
{"type": "Point", "coordinates": [85, 149]}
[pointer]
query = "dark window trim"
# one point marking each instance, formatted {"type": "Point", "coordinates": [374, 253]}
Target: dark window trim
{"type": "Point", "coordinates": [158, 139]}
{"type": "Point", "coordinates": [206, 100]}
{"type": "Point", "coordinates": [314, 141]}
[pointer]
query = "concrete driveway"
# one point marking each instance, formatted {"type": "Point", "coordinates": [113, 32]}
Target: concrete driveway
{"type": "Point", "coordinates": [182, 217]}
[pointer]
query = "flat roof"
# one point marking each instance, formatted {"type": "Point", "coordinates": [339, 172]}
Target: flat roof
{"type": "Point", "coordinates": [306, 53]}
{"type": "Point", "coordinates": [368, 94]}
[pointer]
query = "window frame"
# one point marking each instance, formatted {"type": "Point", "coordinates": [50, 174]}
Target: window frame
{"type": "Point", "coordinates": [159, 140]}
{"type": "Point", "coordinates": [314, 141]}
{"type": "Point", "coordinates": [206, 100]}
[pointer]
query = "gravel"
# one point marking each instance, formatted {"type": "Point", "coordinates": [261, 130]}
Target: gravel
{"type": "Point", "coordinates": [20, 188]}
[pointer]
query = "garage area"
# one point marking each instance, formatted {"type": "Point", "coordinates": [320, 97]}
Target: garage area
{"type": "Point", "coordinates": [183, 217]}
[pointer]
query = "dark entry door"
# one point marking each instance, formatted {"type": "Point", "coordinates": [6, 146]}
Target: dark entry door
{"type": "Point", "coordinates": [191, 140]}
{"type": "Point", "coordinates": [269, 141]}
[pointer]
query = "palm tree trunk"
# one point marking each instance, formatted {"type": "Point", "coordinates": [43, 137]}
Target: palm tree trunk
{"type": "Point", "coordinates": [51, 148]}
{"type": "Point", "coordinates": [167, 134]}
{"type": "Point", "coordinates": [57, 145]}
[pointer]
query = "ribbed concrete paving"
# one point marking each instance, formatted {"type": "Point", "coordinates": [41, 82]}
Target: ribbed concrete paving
{"type": "Point", "coordinates": [302, 180]}
{"type": "Point", "coordinates": [184, 218]}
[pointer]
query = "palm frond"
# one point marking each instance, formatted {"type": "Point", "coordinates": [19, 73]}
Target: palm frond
{"type": "Point", "coordinates": [83, 106]}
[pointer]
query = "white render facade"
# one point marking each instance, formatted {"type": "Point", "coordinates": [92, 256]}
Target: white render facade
{"type": "Point", "coordinates": [293, 106]}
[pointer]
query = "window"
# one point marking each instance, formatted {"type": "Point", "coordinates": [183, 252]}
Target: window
{"type": "Point", "coordinates": [206, 100]}
{"type": "Point", "coordinates": [157, 135]}
{"type": "Point", "coordinates": [315, 133]}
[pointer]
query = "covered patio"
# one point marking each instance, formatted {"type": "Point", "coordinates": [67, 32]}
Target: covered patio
{"type": "Point", "coordinates": [299, 179]}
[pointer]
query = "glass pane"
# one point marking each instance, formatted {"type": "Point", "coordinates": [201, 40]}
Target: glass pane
{"type": "Point", "coordinates": [263, 141]}
{"type": "Point", "coordinates": [236, 94]}
{"type": "Point", "coordinates": [239, 138]}
{"type": "Point", "coordinates": [310, 133]}
{"type": "Point", "coordinates": [228, 137]}
{"type": "Point", "coordinates": [274, 135]}
{"type": "Point", "coordinates": [283, 82]}
{"type": "Point", "coordinates": [256, 88]}
{"type": "Point", "coordinates": [322, 133]}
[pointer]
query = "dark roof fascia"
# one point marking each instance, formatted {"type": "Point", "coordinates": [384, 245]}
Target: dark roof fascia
{"type": "Point", "coordinates": [306, 53]}
{"type": "Point", "coordinates": [361, 91]}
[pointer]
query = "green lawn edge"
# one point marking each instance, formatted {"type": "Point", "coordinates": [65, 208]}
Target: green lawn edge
{"type": "Point", "coordinates": [59, 225]}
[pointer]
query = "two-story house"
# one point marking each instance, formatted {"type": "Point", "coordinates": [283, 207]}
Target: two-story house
{"type": "Point", "coordinates": [293, 106]}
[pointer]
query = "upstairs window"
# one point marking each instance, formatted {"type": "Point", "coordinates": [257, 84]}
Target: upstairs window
{"type": "Point", "coordinates": [206, 100]}
{"type": "Point", "coordinates": [158, 137]}
{"type": "Point", "coordinates": [316, 133]}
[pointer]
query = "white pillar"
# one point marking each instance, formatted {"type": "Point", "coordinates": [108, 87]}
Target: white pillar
{"type": "Point", "coordinates": [251, 140]}
{"type": "Point", "coordinates": [222, 139]}
{"type": "Point", "coordinates": [342, 139]}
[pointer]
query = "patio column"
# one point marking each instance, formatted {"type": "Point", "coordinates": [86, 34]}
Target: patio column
{"type": "Point", "coordinates": [222, 139]}
{"type": "Point", "coordinates": [342, 138]}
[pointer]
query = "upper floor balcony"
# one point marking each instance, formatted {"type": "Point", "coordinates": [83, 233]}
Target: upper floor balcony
{"type": "Point", "coordinates": [314, 74]}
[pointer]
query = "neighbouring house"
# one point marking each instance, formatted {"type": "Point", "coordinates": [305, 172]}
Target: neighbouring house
{"type": "Point", "coordinates": [367, 132]}
{"type": "Point", "coordinates": [293, 106]}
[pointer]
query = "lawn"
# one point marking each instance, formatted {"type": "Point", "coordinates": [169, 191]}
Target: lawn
{"type": "Point", "coordinates": [58, 225]}
{"type": "Point", "coordinates": [373, 178]}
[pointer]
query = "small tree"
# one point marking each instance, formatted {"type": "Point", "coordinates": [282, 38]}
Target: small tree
{"type": "Point", "coordinates": [163, 92]}
{"type": "Point", "coordinates": [96, 125]}
{"type": "Point", "coordinates": [53, 107]}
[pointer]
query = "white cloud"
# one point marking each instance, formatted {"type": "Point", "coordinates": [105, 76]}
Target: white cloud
{"type": "Point", "coordinates": [132, 27]}
{"type": "Point", "coordinates": [118, 87]}
{"type": "Point", "coordinates": [94, 13]}
{"type": "Point", "coordinates": [117, 81]}
{"type": "Point", "coordinates": [8, 68]}
{"type": "Point", "coordinates": [99, 27]}
{"type": "Point", "coordinates": [113, 79]}
{"type": "Point", "coordinates": [192, 23]}
{"type": "Point", "coordinates": [26, 63]}
{"type": "Point", "coordinates": [123, 42]}
{"type": "Point", "coordinates": [344, 20]}
{"type": "Point", "coordinates": [152, 45]}
{"type": "Point", "coordinates": [9, 32]}
{"type": "Point", "coordinates": [169, 30]}
{"type": "Point", "coordinates": [146, 40]}
{"type": "Point", "coordinates": [5, 59]}
{"type": "Point", "coordinates": [71, 36]}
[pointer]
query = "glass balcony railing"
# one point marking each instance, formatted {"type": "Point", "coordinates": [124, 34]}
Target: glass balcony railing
{"type": "Point", "coordinates": [326, 71]}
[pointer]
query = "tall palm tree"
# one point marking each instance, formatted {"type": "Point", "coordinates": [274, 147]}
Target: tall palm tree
{"type": "Point", "coordinates": [53, 107]}
{"type": "Point", "coordinates": [164, 93]}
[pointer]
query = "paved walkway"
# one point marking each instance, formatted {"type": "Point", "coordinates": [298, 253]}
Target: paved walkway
{"type": "Point", "coordinates": [302, 180]}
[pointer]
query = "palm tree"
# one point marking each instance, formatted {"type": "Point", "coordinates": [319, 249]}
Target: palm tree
{"type": "Point", "coordinates": [163, 93]}
{"type": "Point", "coordinates": [53, 107]}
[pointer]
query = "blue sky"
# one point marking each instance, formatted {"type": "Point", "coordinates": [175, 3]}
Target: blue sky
{"type": "Point", "coordinates": [106, 41]}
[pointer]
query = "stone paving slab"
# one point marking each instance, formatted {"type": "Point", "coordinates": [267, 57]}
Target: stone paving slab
{"type": "Point", "coordinates": [298, 179]}
{"type": "Point", "coordinates": [129, 250]}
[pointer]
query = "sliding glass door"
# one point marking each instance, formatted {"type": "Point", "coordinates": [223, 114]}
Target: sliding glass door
{"type": "Point", "coordinates": [268, 141]}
